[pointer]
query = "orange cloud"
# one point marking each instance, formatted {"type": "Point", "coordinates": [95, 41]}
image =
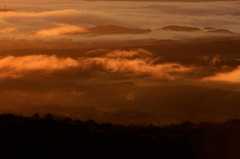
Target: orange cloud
{"type": "Point", "coordinates": [65, 16]}
{"type": "Point", "coordinates": [60, 30]}
{"type": "Point", "coordinates": [137, 67]}
{"type": "Point", "coordinates": [141, 53]}
{"type": "Point", "coordinates": [12, 66]}
{"type": "Point", "coordinates": [114, 62]}
{"type": "Point", "coordinates": [8, 30]}
{"type": "Point", "coordinates": [229, 77]}
{"type": "Point", "coordinates": [137, 62]}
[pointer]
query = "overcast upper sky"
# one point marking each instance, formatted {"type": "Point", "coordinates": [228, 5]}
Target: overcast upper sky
{"type": "Point", "coordinates": [34, 16]}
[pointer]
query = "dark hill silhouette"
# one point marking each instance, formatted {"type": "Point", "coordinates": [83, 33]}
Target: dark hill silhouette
{"type": "Point", "coordinates": [165, 42]}
{"type": "Point", "coordinates": [180, 28]}
{"type": "Point", "coordinates": [5, 9]}
{"type": "Point", "coordinates": [51, 137]}
{"type": "Point", "coordinates": [221, 31]}
{"type": "Point", "coordinates": [218, 30]}
{"type": "Point", "coordinates": [114, 29]}
{"type": "Point", "coordinates": [209, 28]}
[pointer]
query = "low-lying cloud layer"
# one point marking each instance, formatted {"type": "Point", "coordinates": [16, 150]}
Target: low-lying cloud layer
{"type": "Point", "coordinates": [59, 30]}
{"type": "Point", "coordinates": [8, 30]}
{"type": "Point", "coordinates": [136, 62]}
{"type": "Point", "coordinates": [12, 66]}
{"type": "Point", "coordinates": [229, 77]}
{"type": "Point", "coordinates": [122, 86]}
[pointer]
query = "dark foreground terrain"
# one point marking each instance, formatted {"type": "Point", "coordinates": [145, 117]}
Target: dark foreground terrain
{"type": "Point", "coordinates": [50, 137]}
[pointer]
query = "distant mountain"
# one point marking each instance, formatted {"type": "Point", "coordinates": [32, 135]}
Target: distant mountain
{"type": "Point", "coordinates": [221, 31]}
{"type": "Point", "coordinates": [114, 29]}
{"type": "Point", "coordinates": [166, 42]}
{"type": "Point", "coordinates": [179, 28]}
{"type": "Point", "coordinates": [209, 28]}
{"type": "Point", "coordinates": [6, 10]}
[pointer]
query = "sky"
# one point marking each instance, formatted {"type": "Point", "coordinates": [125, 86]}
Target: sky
{"type": "Point", "coordinates": [76, 15]}
{"type": "Point", "coordinates": [121, 62]}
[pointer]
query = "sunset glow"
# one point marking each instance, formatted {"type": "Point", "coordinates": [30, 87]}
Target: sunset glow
{"type": "Point", "coordinates": [123, 62]}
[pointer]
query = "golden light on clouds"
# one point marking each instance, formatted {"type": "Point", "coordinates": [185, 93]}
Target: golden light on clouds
{"type": "Point", "coordinates": [117, 55]}
{"type": "Point", "coordinates": [14, 67]}
{"type": "Point", "coordinates": [113, 62]}
{"type": "Point", "coordinates": [8, 30]}
{"type": "Point", "coordinates": [61, 29]}
{"type": "Point", "coordinates": [229, 77]}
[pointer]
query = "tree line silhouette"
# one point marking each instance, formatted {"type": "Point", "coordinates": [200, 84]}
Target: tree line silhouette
{"type": "Point", "coordinates": [52, 137]}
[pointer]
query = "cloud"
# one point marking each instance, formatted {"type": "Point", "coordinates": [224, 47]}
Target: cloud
{"type": "Point", "coordinates": [140, 53]}
{"type": "Point", "coordinates": [8, 30]}
{"type": "Point", "coordinates": [112, 62]}
{"type": "Point", "coordinates": [137, 62]}
{"type": "Point", "coordinates": [137, 67]}
{"type": "Point", "coordinates": [229, 77]}
{"type": "Point", "coordinates": [66, 16]}
{"type": "Point", "coordinates": [132, 15]}
{"type": "Point", "coordinates": [210, 59]}
{"type": "Point", "coordinates": [200, 9]}
{"type": "Point", "coordinates": [15, 67]}
{"type": "Point", "coordinates": [130, 97]}
{"type": "Point", "coordinates": [60, 30]}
